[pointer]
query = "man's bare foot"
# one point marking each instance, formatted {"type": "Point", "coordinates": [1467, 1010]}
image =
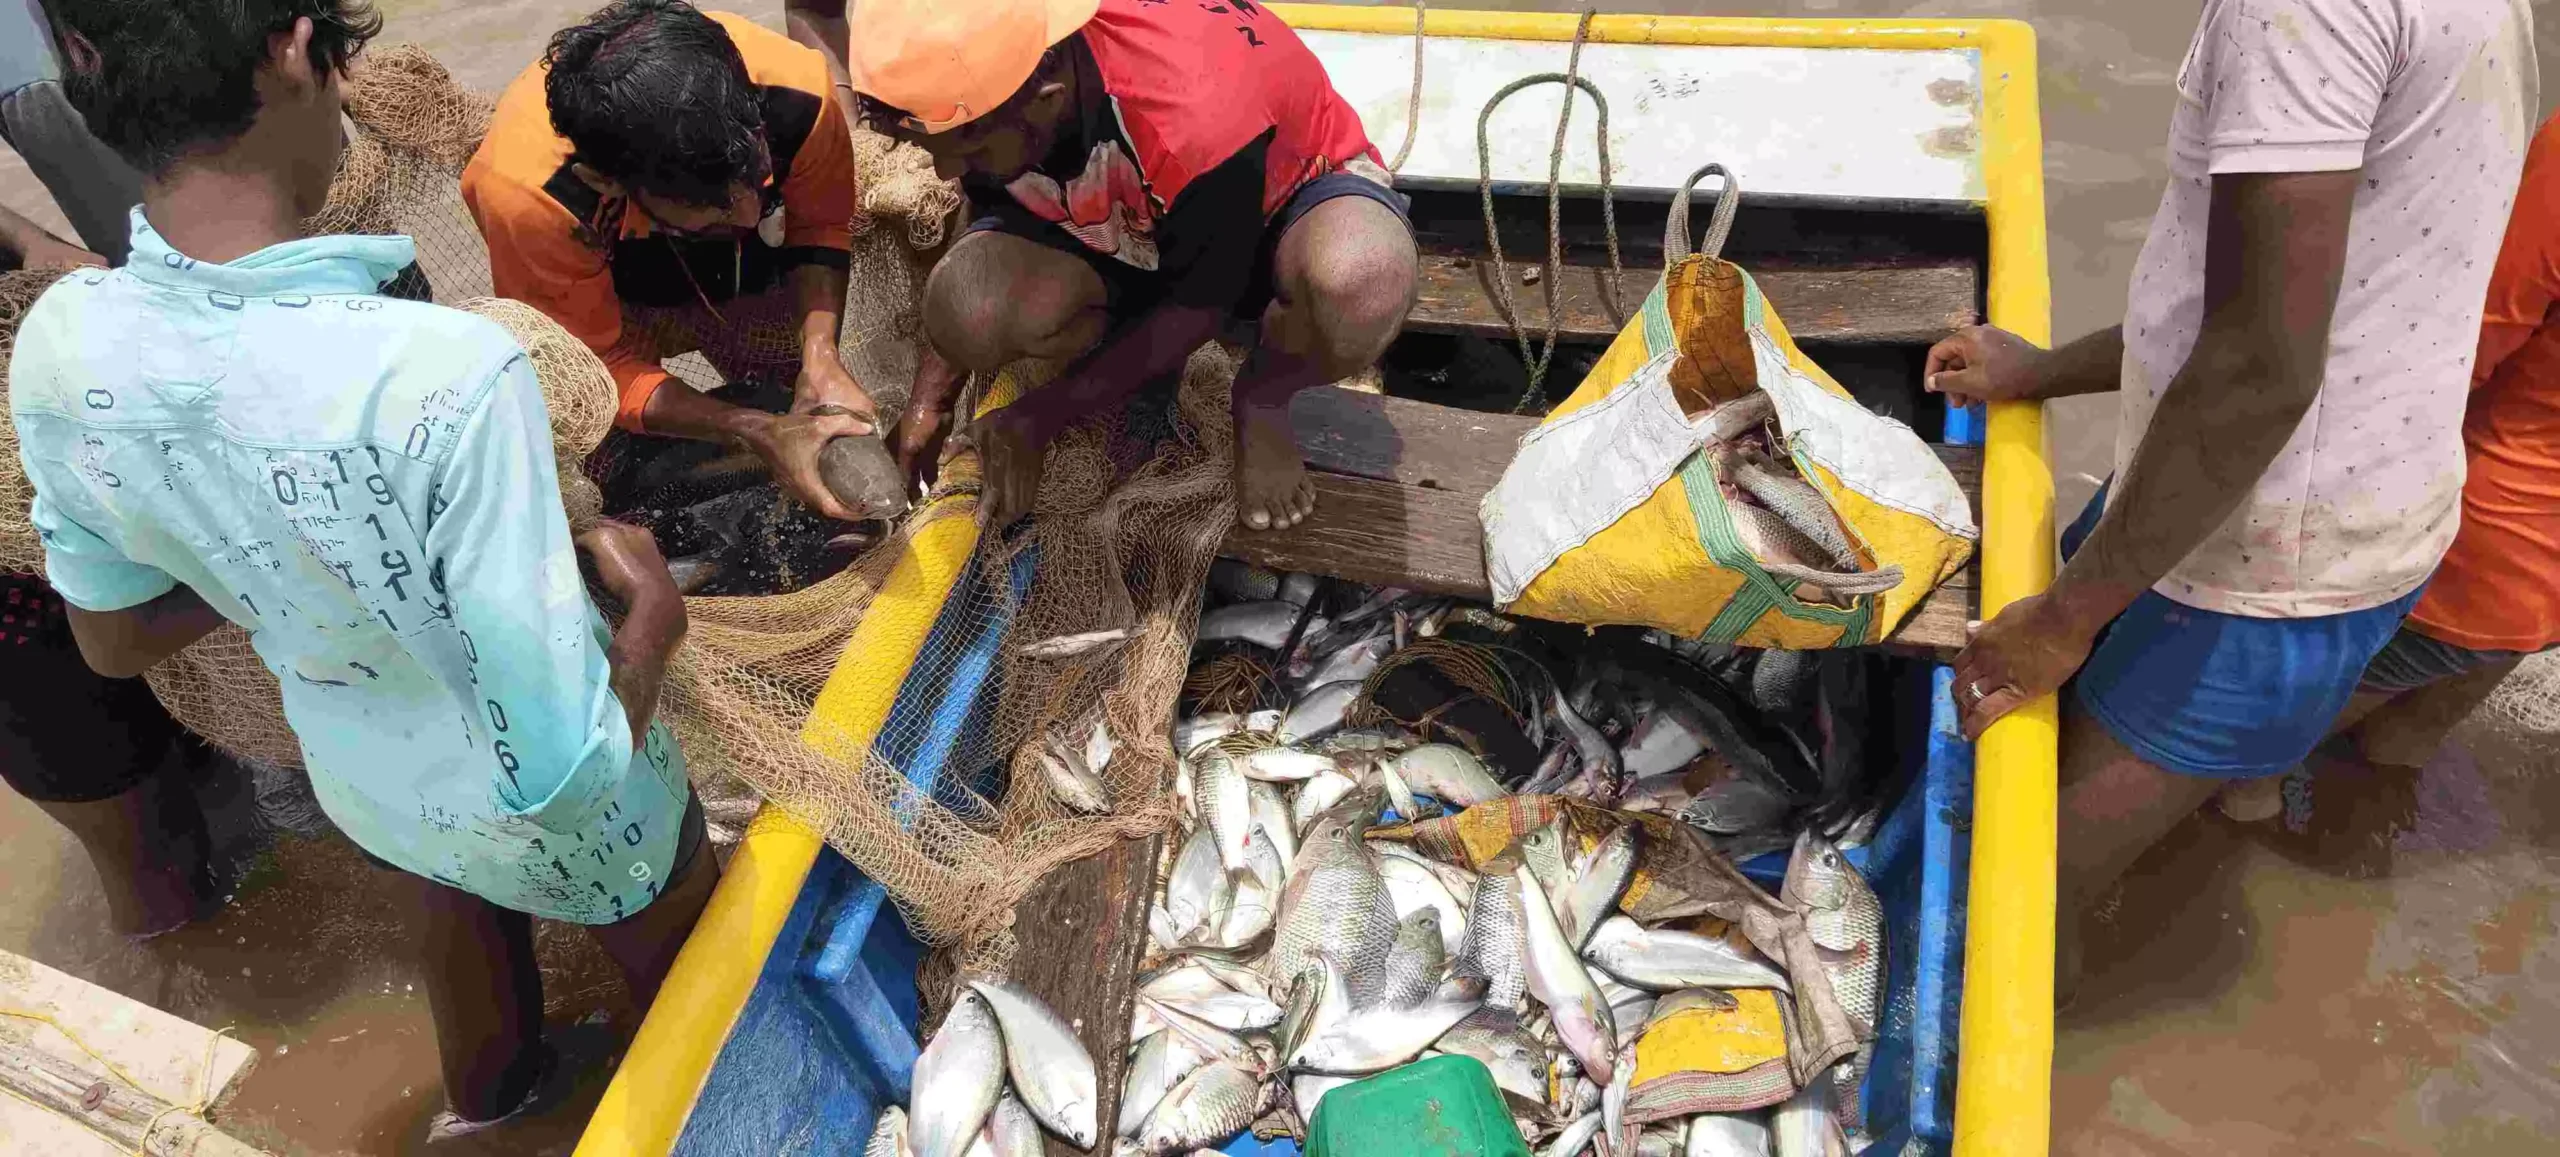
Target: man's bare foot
{"type": "Point", "coordinates": [1272, 488]}
{"type": "Point", "coordinates": [2253, 801]}
{"type": "Point", "coordinates": [1010, 451]}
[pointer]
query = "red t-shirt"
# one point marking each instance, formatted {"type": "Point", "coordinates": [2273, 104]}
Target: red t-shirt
{"type": "Point", "coordinates": [1201, 118]}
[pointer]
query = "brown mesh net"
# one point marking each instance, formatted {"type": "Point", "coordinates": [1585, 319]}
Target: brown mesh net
{"type": "Point", "coordinates": [939, 797]}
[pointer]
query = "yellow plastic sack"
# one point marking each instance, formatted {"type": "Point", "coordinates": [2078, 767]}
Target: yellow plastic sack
{"type": "Point", "coordinates": [1613, 514]}
{"type": "Point", "coordinates": [1706, 1060]}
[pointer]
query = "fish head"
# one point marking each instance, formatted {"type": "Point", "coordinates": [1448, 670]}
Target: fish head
{"type": "Point", "coordinates": [1350, 817]}
{"type": "Point", "coordinates": [1818, 876]}
{"type": "Point", "coordinates": [1424, 924]}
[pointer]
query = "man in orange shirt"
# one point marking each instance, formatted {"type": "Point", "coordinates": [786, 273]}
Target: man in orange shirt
{"type": "Point", "coordinates": [2493, 601]}
{"type": "Point", "coordinates": [666, 180]}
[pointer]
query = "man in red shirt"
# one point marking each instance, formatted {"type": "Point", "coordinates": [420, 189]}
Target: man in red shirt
{"type": "Point", "coordinates": [1145, 170]}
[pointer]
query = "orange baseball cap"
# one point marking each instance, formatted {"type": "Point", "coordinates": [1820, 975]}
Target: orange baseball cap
{"type": "Point", "coordinates": [949, 62]}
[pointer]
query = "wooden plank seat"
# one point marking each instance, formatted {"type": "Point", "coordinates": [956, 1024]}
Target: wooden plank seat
{"type": "Point", "coordinates": [1398, 481]}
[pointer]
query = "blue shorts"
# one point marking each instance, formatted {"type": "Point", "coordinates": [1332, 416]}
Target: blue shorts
{"type": "Point", "coordinates": [2223, 696]}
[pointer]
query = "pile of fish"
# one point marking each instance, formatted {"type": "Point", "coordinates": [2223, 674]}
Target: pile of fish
{"type": "Point", "coordinates": [1293, 954]}
{"type": "Point", "coordinates": [964, 1106]}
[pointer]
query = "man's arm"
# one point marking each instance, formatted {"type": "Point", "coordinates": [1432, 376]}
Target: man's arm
{"type": "Point", "coordinates": [2275, 250]}
{"type": "Point", "coordinates": [1985, 363]}
{"type": "Point", "coordinates": [1011, 439]}
{"type": "Point", "coordinates": [26, 245]}
{"type": "Point", "coordinates": [123, 644]}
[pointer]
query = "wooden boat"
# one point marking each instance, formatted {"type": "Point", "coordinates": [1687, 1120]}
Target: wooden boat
{"type": "Point", "coordinates": [1894, 191]}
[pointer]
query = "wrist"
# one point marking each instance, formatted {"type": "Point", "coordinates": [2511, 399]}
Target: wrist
{"type": "Point", "coordinates": [2078, 608]}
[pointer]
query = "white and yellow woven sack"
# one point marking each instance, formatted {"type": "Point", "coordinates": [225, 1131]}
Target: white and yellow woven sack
{"type": "Point", "coordinates": [1625, 506]}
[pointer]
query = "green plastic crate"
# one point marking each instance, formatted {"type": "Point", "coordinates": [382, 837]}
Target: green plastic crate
{"type": "Point", "coordinates": [1441, 1107]}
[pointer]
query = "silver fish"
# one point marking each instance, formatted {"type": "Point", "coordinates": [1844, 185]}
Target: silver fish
{"type": "Point", "coordinates": [1235, 581]}
{"type": "Point", "coordinates": [1414, 962]}
{"type": "Point", "coordinates": [1660, 745]}
{"type": "Point", "coordinates": [1674, 1003]}
{"type": "Point", "coordinates": [1181, 981]}
{"type": "Point", "coordinates": [1517, 1060]}
{"type": "Point", "coordinates": [1353, 663]}
{"type": "Point", "coordinates": [1728, 1135]}
{"type": "Point", "coordinates": [1594, 892]}
{"type": "Point", "coordinates": [1232, 1011]}
{"type": "Point", "coordinates": [1215, 1102]}
{"type": "Point", "coordinates": [1497, 945]}
{"type": "Point", "coordinates": [1379, 1038]}
{"type": "Point", "coordinates": [1627, 1004]}
{"type": "Point", "coordinates": [1399, 796]}
{"type": "Point", "coordinates": [1335, 900]}
{"type": "Point", "coordinates": [1739, 416]}
{"type": "Point", "coordinates": [1051, 1071]}
{"type": "Point", "coordinates": [1190, 734]}
{"type": "Point", "coordinates": [1318, 712]}
{"type": "Point", "coordinates": [1159, 1064]}
{"type": "Point", "coordinates": [957, 1079]}
{"type": "Point", "coordinates": [1307, 1091]}
{"type": "Point", "coordinates": [1318, 1001]}
{"type": "Point", "coordinates": [1846, 922]}
{"type": "Point", "coordinates": [1666, 960]}
{"type": "Point", "coordinates": [1318, 794]}
{"type": "Point", "coordinates": [1010, 1131]}
{"type": "Point", "coordinates": [1450, 774]}
{"type": "Point", "coordinates": [1266, 624]}
{"type": "Point", "coordinates": [1613, 1098]}
{"type": "Point", "coordinates": [1780, 681]}
{"type": "Point", "coordinates": [1576, 1136]}
{"type": "Point", "coordinates": [1660, 1141]}
{"type": "Point", "coordinates": [1264, 722]}
{"type": "Point", "coordinates": [1557, 978]}
{"type": "Point", "coordinates": [1074, 646]}
{"type": "Point", "coordinates": [1071, 778]}
{"type": "Point", "coordinates": [1285, 765]}
{"type": "Point", "coordinates": [1199, 888]}
{"type": "Point", "coordinates": [1235, 975]}
{"type": "Point", "coordinates": [1543, 851]}
{"type": "Point", "coordinates": [1257, 897]}
{"type": "Point", "coordinates": [1807, 1125]}
{"type": "Point", "coordinates": [1298, 587]}
{"type": "Point", "coordinates": [1412, 887]}
{"type": "Point", "coordinates": [889, 1136]}
{"type": "Point", "coordinates": [1226, 806]}
{"type": "Point", "coordinates": [1742, 805]}
{"type": "Point", "coordinates": [1270, 811]}
{"type": "Point", "coordinates": [1600, 766]}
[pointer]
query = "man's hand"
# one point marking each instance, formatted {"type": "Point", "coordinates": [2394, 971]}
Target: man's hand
{"type": "Point", "coordinates": [789, 445]}
{"type": "Point", "coordinates": [917, 442]}
{"type": "Point", "coordinates": [628, 563]}
{"type": "Point", "coordinates": [1010, 450]}
{"type": "Point", "coordinates": [45, 252]}
{"type": "Point", "coordinates": [1985, 363]}
{"type": "Point", "coordinates": [825, 382]}
{"type": "Point", "coordinates": [2029, 650]}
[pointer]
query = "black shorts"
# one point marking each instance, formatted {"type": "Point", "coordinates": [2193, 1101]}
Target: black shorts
{"type": "Point", "coordinates": [1130, 290]}
{"type": "Point", "coordinates": [67, 733]}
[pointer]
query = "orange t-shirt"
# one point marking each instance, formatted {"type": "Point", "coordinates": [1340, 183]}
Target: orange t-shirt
{"type": "Point", "coordinates": [2499, 586]}
{"type": "Point", "coordinates": [546, 228]}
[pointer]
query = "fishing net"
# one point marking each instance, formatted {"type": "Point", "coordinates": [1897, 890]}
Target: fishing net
{"type": "Point", "coordinates": [921, 760]}
{"type": "Point", "coordinates": [2529, 697]}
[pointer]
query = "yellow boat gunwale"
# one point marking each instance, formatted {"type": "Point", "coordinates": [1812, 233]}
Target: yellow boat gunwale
{"type": "Point", "coordinates": [2004, 1087]}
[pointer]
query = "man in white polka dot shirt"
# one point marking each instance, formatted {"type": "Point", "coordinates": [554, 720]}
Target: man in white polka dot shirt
{"type": "Point", "coordinates": [2292, 367]}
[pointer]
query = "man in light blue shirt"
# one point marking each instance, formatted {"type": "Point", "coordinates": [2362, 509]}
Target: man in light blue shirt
{"type": "Point", "coordinates": [237, 426]}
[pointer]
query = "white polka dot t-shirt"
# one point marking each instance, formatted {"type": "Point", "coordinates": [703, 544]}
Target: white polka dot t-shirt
{"type": "Point", "coordinates": [2432, 100]}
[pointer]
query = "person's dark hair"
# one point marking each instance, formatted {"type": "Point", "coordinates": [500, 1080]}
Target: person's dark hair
{"type": "Point", "coordinates": [156, 80]}
{"type": "Point", "coordinates": [653, 94]}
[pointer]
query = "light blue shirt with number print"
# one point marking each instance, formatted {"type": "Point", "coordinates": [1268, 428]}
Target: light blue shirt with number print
{"type": "Point", "coordinates": [367, 486]}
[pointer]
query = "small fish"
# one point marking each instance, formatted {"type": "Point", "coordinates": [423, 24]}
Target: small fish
{"type": "Point", "coordinates": [1660, 1141]}
{"type": "Point", "coordinates": [1576, 1136]}
{"type": "Point", "coordinates": [1073, 646]}
{"type": "Point", "coordinates": [1613, 1096]}
{"type": "Point", "coordinates": [1497, 945]}
{"type": "Point", "coordinates": [1160, 1063]}
{"type": "Point", "coordinates": [1265, 624]}
{"type": "Point", "coordinates": [694, 572]}
{"type": "Point", "coordinates": [1226, 806]}
{"type": "Point", "coordinates": [1517, 1060]}
{"type": "Point", "coordinates": [889, 1137]}
{"type": "Point", "coordinates": [1285, 765]}
{"type": "Point", "coordinates": [1011, 1131]}
{"type": "Point", "coordinates": [1728, 1135]}
{"type": "Point", "coordinates": [1192, 734]}
{"type": "Point", "coordinates": [1297, 588]}
{"type": "Point", "coordinates": [1051, 1071]}
{"type": "Point", "coordinates": [1604, 775]}
{"type": "Point", "coordinates": [1399, 795]}
{"type": "Point", "coordinates": [1265, 722]}
{"type": "Point", "coordinates": [1380, 1037]}
{"type": "Point", "coordinates": [957, 1079]}
{"type": "Point", "coordinates": [1317, 1002]}
{"type": "Point", "coordinates": [1257, 896]}
{"type": "Point", "coordinates": [1215, 1102]}
{"type": "Point", "coordinates": [1353, 663]}
{"type": "Point", "coordinates": [1543, 851]}
{"type": "Point", "coordinates": [1198, 888]}
{"type": "Point", "coordinates": [1270, 812]}
{"type": "Point", "coordinates": [1318, 712]}
{"type": "Point", "coordinates": [1807, 1124]}
{"type": "Point", "coordinates": [1071, 778]}
{"type": "Point", "coordinates": [1742, 805]}
{"type": "Point", "coordinates": [1660, 745]}
{"type": "Point", "coordinates": [1316, 795]}
{"type": "Point", "coordinates": [1594, 892]}
{"type": "Point", "coordinates": [1738, 417]}
{"type": "Point", "coordinates": [1450, 774]}
{"type": "Point", "coordinates": [1667, 960]}
{"type": "Point", "coordinates": [1559, 981]}
{"type": "Point", "coordinates": [1413, 887]}
{"type": "Point", "coordinates": [1307, 1091]}
{"type": "Point", "coordinates": [1181, 981]}
{"type": "Point", "coordinates": [1674, 1003]}
{"type": "Point", "coordinates": [1232, 1011]}
{"type": "Point", "coordinates": [1414, 962]}
{"type": "Point", "coordinates": [1243, 582]}
{"type": "Point", "coordinates": [1098, 747]}
{"type": "Point", "coordinates": [1846, 921]}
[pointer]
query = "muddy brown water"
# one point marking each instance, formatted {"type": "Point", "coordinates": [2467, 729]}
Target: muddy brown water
{"type": "Point", "coordinates": [2376, 977]}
